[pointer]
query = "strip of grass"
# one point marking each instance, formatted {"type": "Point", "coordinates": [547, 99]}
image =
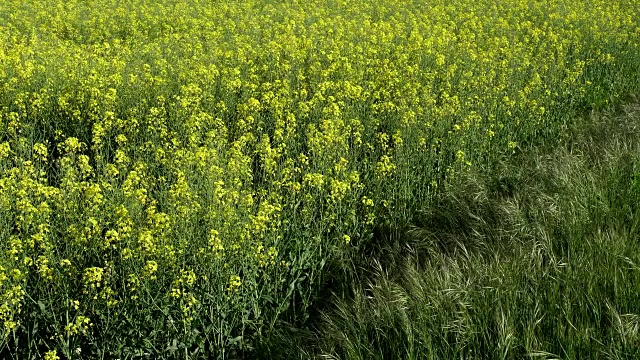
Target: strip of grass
{"type": "Point", "coordinates": [538, 257]}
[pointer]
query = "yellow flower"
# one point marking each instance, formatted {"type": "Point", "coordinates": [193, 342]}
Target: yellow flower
{"type": "Point", "coordinates": [51, 355]}
{"type": "Point", "coordinates": [40, 150]}
{"type": "Point", "coordinates": [385, 166]}
{"type": "Point", "coordinates": [71, 145]}
{"type": "Point", "coordinates": [150, 269]}
{"type": "Point", "coordinates": [5, 150]}
{"type": "Point", "coordinates": [93, 276]}
{"type": "Point", "coordinates": [234, 283]}
{"type": "Point", "coordinates": [80, 325]}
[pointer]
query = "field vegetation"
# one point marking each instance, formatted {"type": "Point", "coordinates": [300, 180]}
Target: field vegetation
{"type": "Point", "coordinates": [538, 258]}
{"type": "Point", "coordinates": [193, 178]}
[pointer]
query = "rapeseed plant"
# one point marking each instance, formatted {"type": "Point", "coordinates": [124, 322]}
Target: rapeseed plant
{"type": "Point", "coordinates": [149, 145]}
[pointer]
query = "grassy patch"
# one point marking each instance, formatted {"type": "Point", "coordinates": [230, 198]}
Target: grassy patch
{"type": "Point", "coordinates": [538, 257]}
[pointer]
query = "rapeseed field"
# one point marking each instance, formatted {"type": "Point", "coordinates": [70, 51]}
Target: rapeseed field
{"type": "Point", "coordinates": [178, 178]}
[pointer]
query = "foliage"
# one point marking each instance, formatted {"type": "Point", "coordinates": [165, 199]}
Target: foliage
{"type": "Point", "coordinates": [179, 177]}
{"type": "Point", "coordinates": [547, 268]}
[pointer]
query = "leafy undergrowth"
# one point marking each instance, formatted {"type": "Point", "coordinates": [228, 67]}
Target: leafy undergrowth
{"type": "Point", "coordinates": [537, 258]}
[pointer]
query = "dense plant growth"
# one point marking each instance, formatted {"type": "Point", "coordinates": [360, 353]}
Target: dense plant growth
{"type": "Point", "coordinates": [176, 177]}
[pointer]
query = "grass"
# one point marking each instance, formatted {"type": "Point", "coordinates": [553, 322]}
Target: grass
{"type": "Point", "coordinates": [537, 257]}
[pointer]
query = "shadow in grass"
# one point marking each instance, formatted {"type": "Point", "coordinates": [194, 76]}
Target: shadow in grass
{"type": "Point", "coordinates": [536, 257]}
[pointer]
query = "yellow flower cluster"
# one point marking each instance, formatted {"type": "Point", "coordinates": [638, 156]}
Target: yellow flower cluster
{"type": "Point", "coordinates": [199, 161]}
